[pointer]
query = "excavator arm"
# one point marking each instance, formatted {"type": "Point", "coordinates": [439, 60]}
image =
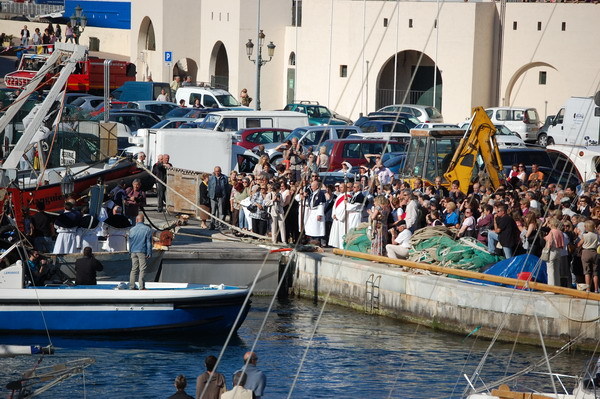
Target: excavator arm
{"type": "Point", "coordinates": [479, 139]}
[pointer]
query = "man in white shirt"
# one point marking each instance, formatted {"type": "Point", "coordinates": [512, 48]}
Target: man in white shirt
{"type": "Point", "coordinates": [238, 391]}
{"type": "Point", "coordinates": [412, 210]}
{"type": "Point", "coordinates": [401, 242]}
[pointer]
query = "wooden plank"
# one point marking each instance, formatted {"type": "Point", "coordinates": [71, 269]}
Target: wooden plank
{"type": "Point", "coordinates": [470, 274]}
{"type": "Point", "coordinates": [186, 183]}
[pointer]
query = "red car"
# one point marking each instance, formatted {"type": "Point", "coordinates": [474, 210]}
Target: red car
{"type": "Point", "coordinates": [354, 151]}
{"type": "Point", "coordinates": [250, 138]}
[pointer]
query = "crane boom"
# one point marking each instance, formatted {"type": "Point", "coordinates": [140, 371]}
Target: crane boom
{"type": "Point", "coordinates": [479, 140]}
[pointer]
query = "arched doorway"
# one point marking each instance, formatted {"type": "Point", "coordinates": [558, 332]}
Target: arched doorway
{"type": "Point", "coordinates": [512, 89]}
{"type": "Point", "coordinates": [406, 64]}
{"type": "Point", "coordinates": [186, 67]}
{"type": "Point", "coordinates": [146, 43]}
{"type": "Point", "coordinates": [219, 67]}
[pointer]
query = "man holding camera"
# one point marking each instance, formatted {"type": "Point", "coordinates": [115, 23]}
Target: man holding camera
{"type": "Point", "coordinates": [297, 157]}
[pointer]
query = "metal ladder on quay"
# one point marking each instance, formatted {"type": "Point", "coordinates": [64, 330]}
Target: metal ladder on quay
{"type": "Point", "coordinates": [372, 293]}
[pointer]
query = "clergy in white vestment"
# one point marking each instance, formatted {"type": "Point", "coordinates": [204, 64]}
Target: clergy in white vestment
{"type": "Point", "coordinates": [314, 209]}
{"type": "Point", "coordinates": [66, 225]}
{"type": "Point", "coordinates": [355, 206]}
{"type": "Point", "coordinates": [338, 227]}
{"type": "Point", "coordinates": [87, 233]}
{"type": "Point", "coordinates": [115, 229]}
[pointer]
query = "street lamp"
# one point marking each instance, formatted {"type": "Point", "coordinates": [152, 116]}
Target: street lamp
{"type": "Point", "coordinates": [67, 184]}
{"type": "Point", "coordinates": [78, 20]}
{"type": "Point", "coordinates": [259, 61]}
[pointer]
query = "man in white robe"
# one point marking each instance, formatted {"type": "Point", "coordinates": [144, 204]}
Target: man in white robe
{"type": "Point", "coordinates": [314, 210]}
{"type": "Point", "coordinates": [66, 225]}
{"type": "Point", "coordinates": [355, 205]}
{"type": "Point", "coordinates": [338, 227]}
{"type": "Point", "coordinates": [115, 229]}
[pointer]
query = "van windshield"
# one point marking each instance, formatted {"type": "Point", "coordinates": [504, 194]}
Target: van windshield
{"type": "Point", "coordinates": [227, 100]}
{"type": "Point", "coordinates": [210, 121]}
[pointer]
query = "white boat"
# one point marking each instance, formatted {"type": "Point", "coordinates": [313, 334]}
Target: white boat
{"type": "Point", "coordinates": [111, 307]}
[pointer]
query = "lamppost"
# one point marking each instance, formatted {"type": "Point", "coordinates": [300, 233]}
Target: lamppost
{"type": "Point", "coordinates": [259, 61]}
{"type": "Point", "coordinates": [78, 20]}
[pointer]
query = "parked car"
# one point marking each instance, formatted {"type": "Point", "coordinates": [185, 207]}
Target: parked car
{"type": "Point", "coordinates": [504, 136]}
{"type": "Point", "coordinates": [317, 114]}
{"type": "Point", "coordinates": [522, 120]}
{"type": "Point", "coordinates": [400, 118]}
{"type": "Point", "coordinates": [552, 169]}
{"type": "Point", "coordinates": [354, 151]}
{"type": "Point", "coordinates": [70, 97]}
{"type": "Point", "coordinates": [435, 125]}
{"type": "Point", "coordinates": [115, 104]}
{"type": "Point", "coordinates": [160, 108]}
{"type": "Point", "coordinates": [192, 113]}
{"type": "Point", "coordinates": [542, 138]}
{"type": "Point", "coordinates": [209, 97]}
{"type": "Point", "coordinates": [88, 103]}
{"type": "Point", "coordinates": [423, 113]}
{"type": "Point", "coordinates": [394, 136]}
{"type": "Point", "coordinates": [312, 136]}
{"type": "Point", "coordinates": [172, 123]}
{"type": "Point", "coordinates": [250, 138]}
{"type": "Point", "coordinates": [141, 91]}
{"type": "Point", "coordinates": [372, 126]}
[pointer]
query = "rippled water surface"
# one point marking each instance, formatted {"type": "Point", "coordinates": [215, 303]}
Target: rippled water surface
{"type": "Point", "coordinates": [352, 355]}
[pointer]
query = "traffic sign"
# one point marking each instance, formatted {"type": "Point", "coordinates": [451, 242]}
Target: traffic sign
{"type": "Point", "coordinates": [168, 56]}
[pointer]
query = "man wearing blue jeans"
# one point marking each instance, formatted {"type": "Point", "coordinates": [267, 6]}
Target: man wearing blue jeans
{"type": "Point", "coordinates": [505, 231]}
{"type": "Point", "coordinates": [140, 247]}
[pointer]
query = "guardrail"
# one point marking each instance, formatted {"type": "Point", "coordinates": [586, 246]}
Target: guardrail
{"type": "Point", "coordinates": [9, 7]}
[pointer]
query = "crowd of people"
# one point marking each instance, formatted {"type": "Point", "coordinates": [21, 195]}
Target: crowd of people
{"type": "Point", "coordinates": [248, 383]}
{"type": "Point", "coordinates": [523, 216]}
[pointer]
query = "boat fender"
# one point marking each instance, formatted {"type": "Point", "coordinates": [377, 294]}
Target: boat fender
{"type": "Point", "coordinates": [217, 286]}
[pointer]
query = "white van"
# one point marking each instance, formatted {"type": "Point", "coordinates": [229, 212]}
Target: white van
{"type": "Point", "coordinates": [232, 121]}
{"type": "Point", "coordinates": [209, 97]}
{"type": "Point", "coordinates": [522, 120]}
{"type": "Point", "coordinates": [576, 123]}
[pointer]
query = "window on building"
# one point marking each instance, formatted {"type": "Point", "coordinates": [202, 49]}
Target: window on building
{"type": "Point", "coordinates": [564, 26]}
{"type": "Point", "coordinates": [542, 78]}
{"type": "Point", "coordinates": [385, 22]}
{"type": "Point", "coordinates": [292, 59]}
{"type": "Point", "coordinates": [343, 71]}
{"type": "Point", "coordinates": [539, 25]}
{"type": "Point", "coordinates": [150, 39]}
{"type": "Point", "coordinates": [410, 23]}
{"type": "Point", "coordinates": [296, 12]}
{"type": "Point", "coordinates": [514, 25]}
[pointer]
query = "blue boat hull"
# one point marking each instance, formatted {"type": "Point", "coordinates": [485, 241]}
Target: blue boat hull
{"type": "Point", "coordinates": [198, 319]}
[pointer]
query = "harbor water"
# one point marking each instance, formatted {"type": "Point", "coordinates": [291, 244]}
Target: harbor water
{"type": "Point", "coordinates": [352, 355]}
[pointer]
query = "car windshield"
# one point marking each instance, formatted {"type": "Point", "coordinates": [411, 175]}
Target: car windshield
{"type": "Point", "coordinates": [210, 121]}
{"type": "Point", "coordinates": [433, 113]}
{"type": "Point", "coordinates": [161, 124]}
{"type": "Point", "coordinates": [296, 133]}
{"type": "Point", "coordinates": [227, 100]}
{"type": "Point", "coordinates": [324, 112]}
{"type": "Point", "coordinates": [502, 130]}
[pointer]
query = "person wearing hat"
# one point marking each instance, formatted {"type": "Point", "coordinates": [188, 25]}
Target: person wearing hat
{"type": "Point", "coordinates": [400, 245]}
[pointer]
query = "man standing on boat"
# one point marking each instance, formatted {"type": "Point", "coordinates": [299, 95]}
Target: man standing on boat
{"type": "Point", "coordinates": [66, 226]}
{"type": "Point", "coordinates": [86, 268]}
{"type": "Point", "coordinates": [42, 229]}
{"type": "Point", "coordinates": [140, 247]}
{"type": "Point", "coordinates": [256, 380]}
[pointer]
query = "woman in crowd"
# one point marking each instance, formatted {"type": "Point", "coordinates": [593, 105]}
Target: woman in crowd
{"type": "Point", "coordinates": [589, 244]}
{"type": "Point", "coordinates": [258, 210]}
{"type": "Point", "coordinates": [450, 215]}
{"type": "Point", "coordinates": [258, 169]}
{"type": "Point", "coordinates": [554, 243]}
{"type": "Point", "coordinates": [378, 217]}
{"type": "Point", "coordinates": [323, 160]}
{"type": "Point", "coordinates": [529, 234]}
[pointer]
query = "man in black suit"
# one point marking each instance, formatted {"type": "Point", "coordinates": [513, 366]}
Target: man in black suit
{"type": "Point", "coordinates": [86, 268]}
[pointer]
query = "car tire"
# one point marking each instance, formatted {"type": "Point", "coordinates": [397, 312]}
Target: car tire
{"type": "Point", "coordinates": [550, 141]}
{"type": "Point", "coordinates": [542, 140]}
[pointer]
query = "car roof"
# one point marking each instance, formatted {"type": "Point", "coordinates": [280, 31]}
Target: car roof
{"type": "Point", "coordinates": [208, 89]}
{"type": "Point", "coordinates": [151, 102]}
{"type": "Point", "coordinates": [360, 141]}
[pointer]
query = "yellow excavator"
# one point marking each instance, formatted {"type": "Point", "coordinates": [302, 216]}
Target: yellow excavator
{"type": "Point", "coordinates": [455, 154]}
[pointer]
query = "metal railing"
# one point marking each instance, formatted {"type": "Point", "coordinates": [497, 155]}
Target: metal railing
{"type": "Point", "coordinates": [385, 97]}
{"type": "Point", "coordinates": [219, 82]}
{"type": "Point", "coordinates": [9, 7]}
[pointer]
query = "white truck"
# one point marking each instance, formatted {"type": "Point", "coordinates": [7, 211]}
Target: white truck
{"type": "Point", "coordinates": [576, 123]}
{"type": "Point", "coordinates": [232, 121]}
{"type": "Point", "coordinates": [196, 150]}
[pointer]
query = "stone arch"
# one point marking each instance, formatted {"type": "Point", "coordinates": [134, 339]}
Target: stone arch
{"type": "Point", "coordinates": [419, 91]}
{"type": "Point", "coordinates": [219, 66]}
{"type": "Point", "coordinates": [186, 67]}
{"type": "Point", "coordinates": [508, 92]}
{"type": "Point", "coordinates": [146, 42]}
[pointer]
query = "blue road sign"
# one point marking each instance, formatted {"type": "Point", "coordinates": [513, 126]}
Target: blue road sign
{"type": "Point", "coordinates": [168, 56]}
